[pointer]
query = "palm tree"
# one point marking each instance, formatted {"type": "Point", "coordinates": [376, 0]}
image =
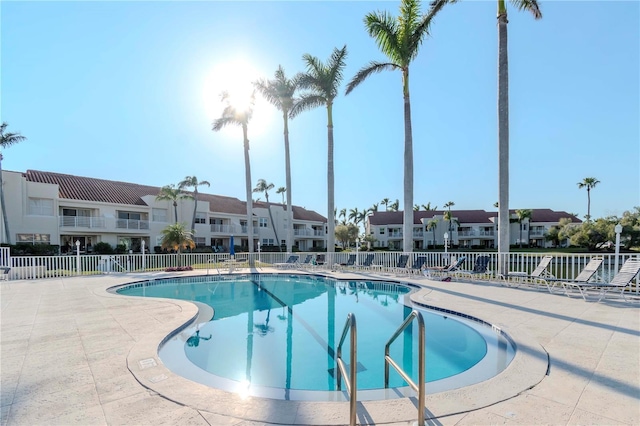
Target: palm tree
{"type": "Point", "coordinates": [176, 237]}
{"type": "Point", "coordinates": [6, 140]}
{"type": "Point", "coordinates": [265, 187]}
{"type": "Point", "coordinates": [399, 39]}
{"type": "Point", "coordinates": [373, 208]}
{"type": "Point", "coordinates": [173, 194]}
{"type": "Point", "coordinates": [354, 214]}
{"type": "Point", "coordinates": [280, 93]}
{"type": "Point", "coordinates": [193, 182]}
{"type": "Point", "coordinates": [427, 207]}
{"type": "Point", "coordinates": [240, 116]}
{"type": "Point", "coordinates": [523, 214]}
{"type": "Point", "coordinates": [589, 183]}
{"type": "Point", "coordinates": [503, 119]}
{"type": "Point", "coordinates": [395, 206]}
{"type": "Point", "coordinates": [416, 207]}
{"type": "Point", "coordinates": [282, 190]}
{"type": "Point", "coordinates": [385, 202]}
{"type": "Point", "coordinates": [432, 225]}
{"type": "Point", "coordinates": [448, 216]}
{"type": "Point", "coordinates": [322, 81]}
{"type": "Point", "coordinates": [343, 215]}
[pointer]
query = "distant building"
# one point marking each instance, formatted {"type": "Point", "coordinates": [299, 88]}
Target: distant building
{"type": "Point", "coordinates": [54, 208]}
{"type": "Point", "coordinates": [467, 228]}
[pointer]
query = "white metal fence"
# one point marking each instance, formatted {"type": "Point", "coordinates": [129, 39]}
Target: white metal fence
{"type": "Point", "coordinates": [564, 266]}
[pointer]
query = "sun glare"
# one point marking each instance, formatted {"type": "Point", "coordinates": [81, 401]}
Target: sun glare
{"type": "Point", "coordinates": [235, 78]}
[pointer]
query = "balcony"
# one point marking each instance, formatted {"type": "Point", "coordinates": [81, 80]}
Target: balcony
{"type": "Point", "coordinates": [395, 234]}
{"type": "Point", "coordinates": [418, 234]}
{"type": "Point", "coordinates": [82, 222]}
{"type": "Point", "coordinates": [224, 229]}
{"type": "Point", "coordinates": [537, 233]}
{"type": "Point", "coordinates": [467, 233]}
{"type": "Point", "coordinates": [318, 233]}
{"type": "Point", "coordinates": [487, 233]}
{"type": "Point", "coordinates": [132, 224]}
{"type": "Point", "coordinates": [304, 232]}
{"type": "Point", "coordinates": [244, 229]}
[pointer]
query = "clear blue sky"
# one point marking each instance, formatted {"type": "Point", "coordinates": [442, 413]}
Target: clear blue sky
{"type": "Point", "coordinates": [128, 91]}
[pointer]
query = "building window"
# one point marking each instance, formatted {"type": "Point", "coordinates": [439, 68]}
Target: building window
{"type": "Point", "coordinates": [381, 231]}
{"type": "Point", "coordinates": [129, 215]}
{"type": "Point", "coordinates": [201, 218]}
{"type": "Point", "coordinates": [33, 238]}
{"type": "Point", "coordinates": [267, 241]}
{"type": "Point", "coordinates": [263, 222]}
{"type": "Point", "coordinates": [40, 207]}
{"type": "Point", "coordinates": [200, 241]}
{"type": "Point", "coordinates": [159, 215]}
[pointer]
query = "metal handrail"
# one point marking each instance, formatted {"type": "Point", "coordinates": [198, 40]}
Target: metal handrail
{"type": "Point", "coordinates": [341, 369]}
{"type": "Point", "coordinates": [420, 388]}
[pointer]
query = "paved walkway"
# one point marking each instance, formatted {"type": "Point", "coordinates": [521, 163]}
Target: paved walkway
{"type": "Point", "coordinates": [71, 353]}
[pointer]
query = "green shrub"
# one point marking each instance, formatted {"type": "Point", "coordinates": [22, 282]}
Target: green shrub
{"type": "Point", "coordinates": [102, 248]}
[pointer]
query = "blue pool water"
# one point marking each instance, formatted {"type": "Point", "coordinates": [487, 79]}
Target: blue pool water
{"type": "Point", "coordinates": [281, 331]}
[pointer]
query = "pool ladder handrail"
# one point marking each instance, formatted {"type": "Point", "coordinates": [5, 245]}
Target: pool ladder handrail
{"type": "Point", "coordinates": [420, 387]}
{"type": "Point", "coordinates": [341, 369]}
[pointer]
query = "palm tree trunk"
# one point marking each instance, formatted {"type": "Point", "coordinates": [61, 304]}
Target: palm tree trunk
{"type": "Point", "coordinates": [503, 141]}
{"type": "Point", "coordinates": [287, 162]}
{"type": "Point", "coordinates": [247, 174]}
{"type": "Point", "coordinates": [520, 237]}
{"type": "Point", "coordinates": [5, 219]}
{"type": "Point", "coordinates": [588, 204]}
{"type": "Point", "coordinates": [331, 237]}
{"type": "Point", "coordinates": [195, 208]}
{"type": "Point", "coordinates": [273, 225]}
{"type": "Point", "coordinates": [407, 240]}
{"type": "Point", "coordinates": [175, 210]}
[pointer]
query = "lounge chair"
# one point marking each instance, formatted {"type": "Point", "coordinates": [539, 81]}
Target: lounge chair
{"type": "Point", "coordinates": [4, 273]}
{"type": "Point", "coordinates": [443, 270]}
{"type": "Point", "coordinates": [319, 261]}
{"type": "Point", "coordinates": [306, 262]}
{"type": "Point", "coordinates": [620, 282]}
{"type": "Point", "coordinates": [417, 266]}
{"type": "Point", "coordinates": [539, 274]}
{"type": "Point", "coordinates": [366, 263]}
{"type": "Point", "coordinates": [290, 263]}
{"type": "Point", "coordinates": [583, 277]}
{"type": "Point", "coordinates": [480, 268]}
{"type": "Point", "coordinates": [349, 263]}
{"type": "Point", "coordinates": [401, 264]}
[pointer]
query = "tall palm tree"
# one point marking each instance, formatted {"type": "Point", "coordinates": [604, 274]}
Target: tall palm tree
{"type": "Point", "coordinates": [523, 214]}
{"type": "Point", "coordinates": [589, 183]}
{"type": "Point", "coordinates": [193, 182]}
{"type": "Point", "coordinates": [431, 226]}
{"type": "Point", "coordinates": [427, 207]}
{"type": "Point", "coordinates": [395, 206]}
{"type": "Point", "coordinates": [282, 190]}
{"type": "Point", "coordinates": [240, 116]}
{"type": "Point", "coordinates": [173, 194]}
{"type": "Point", "coordinates": [385, 202]}
{"type": "Point", "coordinates": [280, 92]}
{"type": "Point", "coordinates": [354, 214]}
{"type": "Point", "coordinates": [448, 216]}
{"type": "Point", "coordinates": [322, 80]}
{"type": "Point", "coordinates": [503, 118]}
{"type": "Point", "coordinates": [343, 215]}
{"type": "Point", "coordinates": [6, 140]}
{"type": "Point", "coordinates": [265, 187]}
{"type": "Point", "coordinates": [373, 208]}
{"type": "Point", "coordinates": [176, 237]}
{"type": "Point", "coordinates": [416, 207]}
{"type": "Point", "coordinates": [399, 39]}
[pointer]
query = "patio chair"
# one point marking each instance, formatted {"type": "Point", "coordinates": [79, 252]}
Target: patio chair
{"type": "Point", "coordinates": [319, 261]}
{"type": "Point", "coordinates": [366, 263]}
{"type": "Point", "coordinates": [429, 271]}
{"type": "Point", "coordinates": [290, 263]}
{"type": "Point", "coordinates": [4, 273]}
{"type": "Point", "coordinates": [480, 268]}
{"type": "Point", "coordinates": [583, 277]}
{"type": "Point", "coordinates": [621, 281]}
{"type": "Point", "coordinates": [351, 260]}
{"type": "Point", "coordinates": [539, 274]}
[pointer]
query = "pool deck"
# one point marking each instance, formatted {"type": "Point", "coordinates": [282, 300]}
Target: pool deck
{"type": "Point", "coordinates": [72, 353]}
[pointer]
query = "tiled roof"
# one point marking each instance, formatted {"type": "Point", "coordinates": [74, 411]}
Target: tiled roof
{"type": "Point", "coordinates": [113, 192]}
{"type": "Point", "coordinates": [467, 216]}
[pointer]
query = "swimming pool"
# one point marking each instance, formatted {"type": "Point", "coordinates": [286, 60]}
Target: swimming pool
{"type": "Point", "coordinates": [275, 336]}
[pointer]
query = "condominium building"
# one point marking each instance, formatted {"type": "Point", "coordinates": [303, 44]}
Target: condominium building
{"type": "Point", "coordinates": [65, 210]}
{"type": "Point", "coordinates": [466, 229]}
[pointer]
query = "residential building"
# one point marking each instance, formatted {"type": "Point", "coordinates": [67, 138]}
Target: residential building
{"type": "Point", "coordinates": [466, 229]}
{"type": "Point", "coordinates": [61, 209]}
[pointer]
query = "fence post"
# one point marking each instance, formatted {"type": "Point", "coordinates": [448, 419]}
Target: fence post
{"type": "Point", "coordinates": [78, 270]}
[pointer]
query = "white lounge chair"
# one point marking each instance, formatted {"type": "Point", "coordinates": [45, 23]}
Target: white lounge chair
{"type": "Point", "coordinates": [538, 275]}
{"type": "Point", "coordinates": [620, 282]}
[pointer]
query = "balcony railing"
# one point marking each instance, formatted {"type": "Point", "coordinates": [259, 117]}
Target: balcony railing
{"type": "Point", "coordinates": [489, 233]}
{"type": "Point", "coordinates": [82, 222]}
{"type": "Point", "coordinates": [536, 233]}
{"type": "Point", "coordinates": [245, 230]}
{"type": "Point", "coordinates": [224, 229]}
{"type": "Point", "coordinates": [318, 233]}
{"type": "Point", "coordinates": [467, 233]}
{"type": "Point", "coordinates": [132, 224]}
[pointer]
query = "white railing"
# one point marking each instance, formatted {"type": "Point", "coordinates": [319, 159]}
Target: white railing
{"type": "Point", "coordinates": [132, 224]}
{"type": "Point", "coordinates": [225, 229]}
{"type": "Point", "coordinates": [563, 266]}
{"type": "Point", "coordinates": [244, 229]}
{"type": "Point", "coordinates": [302, 232]}
{"type": "Point", "coordinates": [82, 221]}
{"type": "Point", "coordinates": [467, 233]}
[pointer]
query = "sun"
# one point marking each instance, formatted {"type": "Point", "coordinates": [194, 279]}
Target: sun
{"type": "Point", "coordinates": [235, 78]}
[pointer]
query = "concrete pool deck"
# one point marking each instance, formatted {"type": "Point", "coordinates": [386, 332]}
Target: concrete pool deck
{"type": "Point", "coordinates": [72, 353]}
